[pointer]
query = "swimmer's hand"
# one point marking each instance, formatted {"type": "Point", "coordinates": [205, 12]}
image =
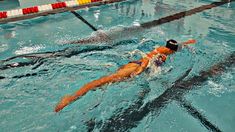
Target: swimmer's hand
{"type": "Point", "coordinates": [186, 44]}
{"type": "Point", "coordinates": [66, 100]}
{"type": "Point", "coordinates": [190, 41]}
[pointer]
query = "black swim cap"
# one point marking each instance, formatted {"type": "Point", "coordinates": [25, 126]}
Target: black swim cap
{"type": "Point", "coordinates": [172, 44]}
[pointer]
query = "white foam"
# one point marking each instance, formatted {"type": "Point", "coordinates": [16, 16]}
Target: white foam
{"type": "Point", "coordinates": [3, 47]}
{"type": "Point", "coordinates": [96, 15]}
{"type": "Point", "coordinates": [26, 50]}
{"type": "Point", "coordinates": [215, 88]}
{"type": "Point", "coordinates": [136, 23]}
{"type": "Point", "coordinates": [10, 35]}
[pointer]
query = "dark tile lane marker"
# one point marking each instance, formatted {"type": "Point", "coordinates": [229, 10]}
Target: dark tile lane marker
{"type": "Point", "coordinates": [184, 14]}
{"type": "Point", "coordinates": [196, 114]}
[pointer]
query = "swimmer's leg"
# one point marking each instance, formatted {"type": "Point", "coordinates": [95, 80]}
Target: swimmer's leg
{"type": "Point", "coordinates": [121, 74]}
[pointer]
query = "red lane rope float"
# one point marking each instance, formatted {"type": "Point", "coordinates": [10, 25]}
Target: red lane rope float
{"type": "Point", "coordinates": [3, 14]}
{"type": "Point", "coordinates": [96, 0]}
{"type": "Point", "coordinates": [30, 10]}
{"type": "Point", "coordinates": [58, 5]}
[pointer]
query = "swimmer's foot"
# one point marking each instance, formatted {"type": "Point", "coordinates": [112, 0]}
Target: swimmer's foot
{"type": "Point", "coordinates": [66, 100]}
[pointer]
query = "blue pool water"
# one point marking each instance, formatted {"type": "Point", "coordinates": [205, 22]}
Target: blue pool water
{"type": "Point", "coordinates": [9, 4]}
{"type": "Point", "coordinates": [27, 102]}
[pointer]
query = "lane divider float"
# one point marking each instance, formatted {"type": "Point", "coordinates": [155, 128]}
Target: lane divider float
{"type": "Point", "coordinates": [22, 13]}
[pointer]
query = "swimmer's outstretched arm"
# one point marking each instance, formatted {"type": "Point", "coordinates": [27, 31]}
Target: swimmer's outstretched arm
{"type": "Point", "coordinates": [190, 41]}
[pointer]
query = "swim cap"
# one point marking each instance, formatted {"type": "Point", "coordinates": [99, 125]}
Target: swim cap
{"type": "Point", "coordinates": [172, 44]}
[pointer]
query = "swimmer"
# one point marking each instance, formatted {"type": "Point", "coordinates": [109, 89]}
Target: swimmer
{"type": "Point", "coordinates": [127, 71]}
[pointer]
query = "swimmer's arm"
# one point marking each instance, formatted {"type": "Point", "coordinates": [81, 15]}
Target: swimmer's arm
{"type": "Point", "coordinates": [187, 43]}
{"type": "Point", "coordinates": [142, 67]}
{"type": "Point", "coordinates": [190, 48]}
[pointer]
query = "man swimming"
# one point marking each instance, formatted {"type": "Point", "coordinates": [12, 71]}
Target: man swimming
{"type": "Point", "coordinates": [127, 71]}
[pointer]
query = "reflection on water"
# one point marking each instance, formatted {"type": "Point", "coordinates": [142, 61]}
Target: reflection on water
{"type": "Point", "coordinates": [8, 4]}
{"type": "Point", "coordinates": [147, 8]}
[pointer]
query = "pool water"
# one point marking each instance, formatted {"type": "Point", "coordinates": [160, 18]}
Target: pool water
{"type": "Point", "coordinates": [30, 93]}
{"type": "Point", "coordinates": [9, 4]}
